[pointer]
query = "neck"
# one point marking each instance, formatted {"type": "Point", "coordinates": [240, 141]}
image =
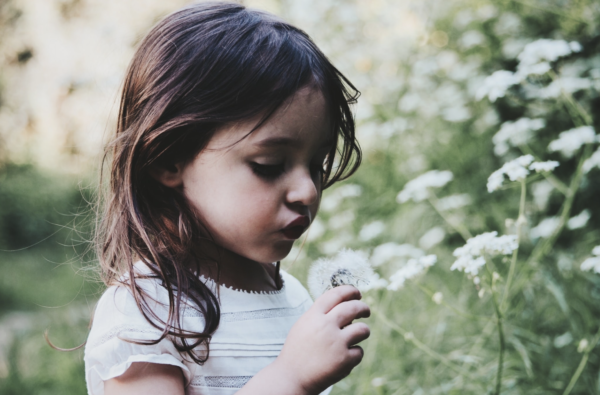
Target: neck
{"type": "Point", "coordinates": [236, 271]}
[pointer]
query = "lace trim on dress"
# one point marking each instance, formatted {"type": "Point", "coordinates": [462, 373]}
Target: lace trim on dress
{"type": "Point", "coordinates": [116, 331]}
{"type": "Point", "coordinates": [276, 292]}
{"type": "Point", "coordinates": [253, 314]}
{"type": "Point", "coordinates": [220, 381]}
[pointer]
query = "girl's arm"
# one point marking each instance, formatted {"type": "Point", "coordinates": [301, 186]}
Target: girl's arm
{"type": "Point", "coordinates": [319, 351]}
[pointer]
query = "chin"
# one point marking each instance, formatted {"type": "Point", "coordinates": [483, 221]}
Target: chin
{"type": "Point", "coordinates": [280, 251]}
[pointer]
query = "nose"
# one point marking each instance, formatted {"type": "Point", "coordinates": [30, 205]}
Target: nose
{"type": "Point", "coordinates": [302, 188]}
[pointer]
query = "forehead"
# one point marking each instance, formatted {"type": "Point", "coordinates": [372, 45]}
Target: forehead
{"type": "Point", "coordinates": [301, 121]}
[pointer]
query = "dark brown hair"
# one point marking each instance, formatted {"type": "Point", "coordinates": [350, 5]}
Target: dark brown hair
{"type": "Point", "coordinates": [199, 69]}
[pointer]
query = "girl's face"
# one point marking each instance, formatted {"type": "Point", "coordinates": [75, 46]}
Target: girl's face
{"type": "Point", "coordinates": [258, 195]}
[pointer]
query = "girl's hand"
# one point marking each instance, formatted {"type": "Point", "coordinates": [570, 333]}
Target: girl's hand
{"type": "Point", "coordinates": [321, 349]}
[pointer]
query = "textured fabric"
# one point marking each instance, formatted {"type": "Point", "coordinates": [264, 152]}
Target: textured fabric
{"type": "Point", "coordinates": [251, 333]}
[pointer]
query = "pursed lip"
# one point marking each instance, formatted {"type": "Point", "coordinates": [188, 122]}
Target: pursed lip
{"type": "Point", "coordinates": [294, 229]}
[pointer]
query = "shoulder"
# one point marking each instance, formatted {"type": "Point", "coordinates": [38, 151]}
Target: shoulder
{"type": "Point", "coordinates": [294, 287]}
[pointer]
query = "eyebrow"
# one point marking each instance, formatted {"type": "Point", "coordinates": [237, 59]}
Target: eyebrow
{"type": "Point", "coordinates": [284, 141]}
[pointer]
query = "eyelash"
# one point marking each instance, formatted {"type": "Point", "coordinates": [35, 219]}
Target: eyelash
{"type": "Point", "coordinates": [273, 171]}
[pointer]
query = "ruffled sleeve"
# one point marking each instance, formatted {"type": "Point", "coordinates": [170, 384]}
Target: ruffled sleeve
{"type": "Point", "coordinates": [117, 317]}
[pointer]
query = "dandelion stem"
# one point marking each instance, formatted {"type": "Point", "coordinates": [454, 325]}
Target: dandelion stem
{"type": "Point", "coordinates": [409, 337]}
{"type": "Point", "coordinates": [582, 364]}
{"type": "Point", "coordinates": [513, 260]}
{"type": "Point", "coordinates": [464, 232]}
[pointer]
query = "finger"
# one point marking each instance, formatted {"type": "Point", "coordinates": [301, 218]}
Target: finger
{"type": "Point", "coordinates": [345, 312]}
{"type": "Point", "coordinates": [356, 333]}
{"type": "Point", "coordinates": [356, 354]}
{"type": "Point", "coordinates": [335, 296]}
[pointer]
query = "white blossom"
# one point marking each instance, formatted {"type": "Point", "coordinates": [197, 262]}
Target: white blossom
{"type": "Point", "coordinates": [453, 202]}
{"type": "Point", "coordinates": [371, 230]}
{"type": "Point", "coordinates": [563, 84]}
{"type": "Point", "coordinates": [418, 188]}
{"type": "Point", "coordinates": [539, 167]}
{"type": "Point", "coordinates": [346, 268]}
{"type": "Point", "coordinates": [437, 297]}
{"type": "Point", "coordinates": [378, 382]}
{"type": "Point", "coordinates": [470, 257]}
{"type": "Point", "coordinates": [542, 51]}
{"type": "Point", "coordinates": [570, 141]}
{"type": "Point", "coordinates": [432, 237]}
{"type": "Point", "coordinates": [545, 228]}
{"type": "Point", "coordinates": [411, 269]}
{"type": "Point", "coordinates": [388, 251]}
{"type": "Point", "coordinates": [541, 191]}
{"type": "Point", "coordinates": [515, 170]}
{"type": "Point", "coordinates": [579, 221]}
{"type": "Point", "coordinates": [515, 133]}
{"type": "Point", "coordinates": [592, 263]}
{"type": "Point", "coordinates": [496, 85]}
{"type": "Point", "coordinates": [592, 161]}
{"type": "Point", "coordinates": [563, 340]}
{"type": "Point", "coordinates": [333, 199]}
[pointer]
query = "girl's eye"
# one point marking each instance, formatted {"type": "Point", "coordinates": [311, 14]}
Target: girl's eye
{"type": "Point", "coordinates": [267, 171]}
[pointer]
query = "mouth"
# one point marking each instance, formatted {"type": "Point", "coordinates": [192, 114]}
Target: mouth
{"type": "Point", "coordinates": [295, 228]}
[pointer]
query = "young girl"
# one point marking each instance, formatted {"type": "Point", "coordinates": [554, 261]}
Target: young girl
{"type": "Point", "coordinates": [231, 124]}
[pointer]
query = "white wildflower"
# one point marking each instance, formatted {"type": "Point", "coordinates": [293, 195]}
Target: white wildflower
{"type": "Point", "coordinates": [539, 167]}
{"type": "Point", "coordinates": [470, 257]}
{"type": "Point", "coordinates": [541, 192]}
{"type": "Point", "coordinates": [432, 237]}
{"type": "Point", "coordinates": [592, 161]}
{"type": "Point", "coordinates": [418, 188]}
{"type": "Point", "coordinates": [471, 39]}
{"type": "Point", "coordinates": [453, 202]}
{"type": "Point", "coordinates": [515, 170]}
{"type": "Point", "coordinates": [411, 269]}
{"type": "Point", "coordinates": [496, 85]}
{"type": "Point", "coordinates": [437, 297]}
{"type": "Point", "coordinates": [515, 133]}
{"type": "Point", "coordinates": [592, 263]}
{"type": "Point", "coordinates": [545, 228]}
{"type": "Point", "coordinates": [388, 251]}
{"type": "Point", "coordinates": [583, 345]}
{"type": "Point", "coordinates": [570, 141]}
{"type": "Point", "coordinates": [579, 221]}
{"type": "Point", "coordinates": [371, 230]}
{"type": "Point", "coordinates": [316, 230]}
{"type": "Point", "coordinates": [378, 382]}
{"type": "Point", "coordinates": [333, 199]}
{"type": "Point", "coordinates": [374, 282]}
{"type": "Point", "coordinates": [341, 220]}
{"type": "Point", "coordinates": [346, 268]}
{"type": "Point", "coordinates": [542, 51]}
{"type": "Point", "coordinates": [563, 84]}
{"type": "Point", "coordinates": [563, 340]}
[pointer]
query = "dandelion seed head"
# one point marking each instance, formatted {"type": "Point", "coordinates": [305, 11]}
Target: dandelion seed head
{"type": "Point", "coordinates": [418, 188]}
{"type": "Point", "coordinates": [348, 267]}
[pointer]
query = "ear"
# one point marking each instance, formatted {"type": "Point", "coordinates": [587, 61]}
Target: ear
{"type": "Point", "coordinates": [168, 175]}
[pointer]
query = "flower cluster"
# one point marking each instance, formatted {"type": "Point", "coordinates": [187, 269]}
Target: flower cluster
{"type": "Point", "coordinates": [570, 141]}
{"type": "Point", "coordinates": [388, 251]}
{"type": "Point", "coordinates": [418, 189]}
{"type": "Point", "coordinates": [517, 170]}
{"type": "Point", "coordinates": [346, 268]}
{"type": "Point", "coordinates": [592, 161]}
{"type": "Point", "coordinates": [533, 60]}
{"type": "Point", "coordinates": [411, 269]}
{"type": "Point", "coordinates": [592, 263]}
{"type": "Point", "coordinates": [515, 133]}
{"type": "Point", "coordinates": [470, 257]}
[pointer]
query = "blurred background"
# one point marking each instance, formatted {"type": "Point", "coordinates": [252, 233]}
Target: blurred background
{"type": "Point", "coordinates": [419, 65]}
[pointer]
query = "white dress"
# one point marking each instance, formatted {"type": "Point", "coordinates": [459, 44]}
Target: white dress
{"type": "Point", "coordinates": [251, 333]}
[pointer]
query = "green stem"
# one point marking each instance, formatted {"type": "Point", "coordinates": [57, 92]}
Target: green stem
{"type": "Point", "coordinates": [513, 260]}
{"type": "Point", "coordinates": [449, 306]}
{"type": "Point", "coordinates": [582, 364]}
{"type": "Point", "coordinates": [464, 232]}
{"type": "Point", "coordinates": [502, 344]}
{"type": "Point", "coordinates": [409, 337]}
